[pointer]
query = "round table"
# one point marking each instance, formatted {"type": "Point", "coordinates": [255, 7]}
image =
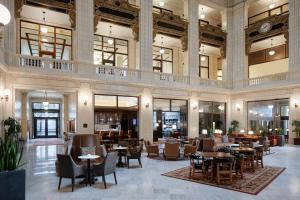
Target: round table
{"type": "Point", "coordinates": [120, 149]}
{"type": "Point", "coordinates": [89, 157]}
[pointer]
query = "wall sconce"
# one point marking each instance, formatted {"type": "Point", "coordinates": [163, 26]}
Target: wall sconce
{"type": "Point", "coordinates": [4, 94]}
{"type": "Point", "coordinates": [238, 107]}
{"type": "Point", "coordinates": [296, 103]}
{"type": "Point", "coordinates": [85, 100]}
{"type": "Point", "coordinates": [147, 104]}
{"type": "Point", "coordinates": [195, 106]}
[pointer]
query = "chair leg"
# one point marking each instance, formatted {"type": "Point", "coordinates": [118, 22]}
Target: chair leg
{"type": "Point", "coordinates": [139, 159]}
{"type": "Point", "coordinates": [59, 183]}
{"type": "Point", "coordinates": [103, 179]}
{"type": "Point", "coordinates": [115, 177]}
{"type": "Point", "coordinates": [73, 181]}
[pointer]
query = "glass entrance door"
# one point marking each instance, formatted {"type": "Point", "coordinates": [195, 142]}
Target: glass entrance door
{"type": "Point", "coordinates": [45, 127]}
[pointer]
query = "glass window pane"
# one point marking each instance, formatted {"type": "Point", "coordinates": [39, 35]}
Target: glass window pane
{"type": "Point", "coordinates": [218, 107]}
{"type": "Point", "coordinates": [167, 56]}
{"type": "Point", "coordinates": [178, 105]}
{"type": "Point", "coordinates": [105, 101]}
{"type": "Point", "coordinates": [121, 60]}
{"type": "Point", "coordinates": [204, 72]}
{"type": "Point", "coordinates": [121, 46]}
{"type": "Point", "coordinates": [285, 8]}
{"type": "Point", "coordinates": [205, 107]}
{"type": "Point", "coordinates": [167, 67]}
{"type": "Point", "coordinates": [161, 104]}
{"type": "Point", "coordinates": [276, 11]}
{"type": "Point", "coordinates": [128, 102]}
{"type": "Point", "coordinates": [204, 61]}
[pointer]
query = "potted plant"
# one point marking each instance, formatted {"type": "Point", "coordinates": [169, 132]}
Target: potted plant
{"type": "Point", "coordinates": [296, 125]}
{"type": "Point", "coordinates": [280, 136]}
{"type": "Point", "coordinates": [12, 179]}
{"type": "Point", "coordinates": [234, 127]}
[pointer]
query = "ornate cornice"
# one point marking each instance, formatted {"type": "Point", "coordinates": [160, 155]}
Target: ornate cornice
{"type": "Point", "coordinates": [171, 25]}
{"type": "Point", "coordinates": [68, 8]}
{"type": "Point", "coordinates": [214, 36]}
{"type": "Point", "coordinates": [279, 25]}
{"type": "Point", "coordinates": [119, 12]}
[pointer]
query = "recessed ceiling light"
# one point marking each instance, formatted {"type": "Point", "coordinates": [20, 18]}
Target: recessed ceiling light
{"type": "Point", "coordinates": [161, 3]}
{"type": "Point", "coordinates": [272, 5]}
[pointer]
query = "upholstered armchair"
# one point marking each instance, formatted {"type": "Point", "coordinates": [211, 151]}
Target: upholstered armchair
{"type": "Point", "coordinates": [152, 149]}
{"type": "Point", "coordinates": [107, 167]}
{"type": "Point", "coordinates": [135, 153]}
{"type": "Point", "coordinates": [68, 169]}
{"type": "Point", "coordinates": [172, 150]}
{"type": "Point", "coordinates": [208, 144]}
{"type": "Point", "coordinates": [190, 149]}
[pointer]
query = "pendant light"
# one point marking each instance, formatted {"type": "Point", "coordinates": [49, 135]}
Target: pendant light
{"type": "Point", "coordinates": [272, 5]}
{"type": "Point", "coordinates": [110, 40]}
{"type": "Point", "coordinates": [45, 102]}
{"type": "Point", "coordinates": [202, 15]}
{"type": "Point", "coordinates": [272, 51]}
{"type": "Point", "coordinates": [161, 3]}
{"type": "Point", "coordinates": [4, 15]}
{"type": "Point", "coordinates": [162, 50]}
{"type": "Point", "coordinates": [44, 29]}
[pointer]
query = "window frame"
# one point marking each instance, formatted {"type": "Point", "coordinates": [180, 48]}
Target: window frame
{"type": "Point", "coordinates": [161, 60]}
{"type": "Point", "coordinates": [200, 66]}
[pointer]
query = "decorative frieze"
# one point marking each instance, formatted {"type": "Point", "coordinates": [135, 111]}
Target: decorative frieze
{"type": "Point", "coordinates": [172, 25]}
{"type": "Point", "coordinates": [118, 12]}
{"type": "Point", "coordinates": [63, 6]}
{"type": "Point", "coordinates": [213, 36]}
{"type": "Point", "coordinates": [266, 28]}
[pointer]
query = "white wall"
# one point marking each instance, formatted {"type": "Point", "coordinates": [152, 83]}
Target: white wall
{"type": "Point", "coordinates": [269, 68]}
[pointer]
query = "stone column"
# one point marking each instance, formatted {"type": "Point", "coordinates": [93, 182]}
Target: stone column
{"type": "Point", "coordinates": [66, 113]}
{"type": "Point", "coordinates": [193, 116]}
{"type": "Point", "coordinates": [145, 35]}
{"type": "Point", "coordinates": [191, 10]}
{"type": "Point", "coordinates": [146, 115]}
{"type": "Point", "coordinates": [24, 116]}
{"type": "Point", "coordinates": [85, 109]}
{"type": "Point", "coordinates": [294, 31]}
{"type": "Point", "coordinates": [294, 113]}
{"type": "Point", "coordinates": [236, 64]}
{"type": "Point", "coordinates": [84, 34]}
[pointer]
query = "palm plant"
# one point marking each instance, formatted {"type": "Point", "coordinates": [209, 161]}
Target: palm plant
{"type": "Point", "coordinates": [296, 125]}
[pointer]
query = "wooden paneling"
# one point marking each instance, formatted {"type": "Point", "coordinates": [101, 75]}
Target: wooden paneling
{"type": "Point", "coordinates": [263, 56]}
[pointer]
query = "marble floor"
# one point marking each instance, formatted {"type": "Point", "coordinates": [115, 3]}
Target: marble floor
{"type": "Point", "coordinates": [147, 183]}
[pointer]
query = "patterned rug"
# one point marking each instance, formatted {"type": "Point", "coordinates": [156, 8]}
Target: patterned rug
{"type": "Point", "coordinates": [252, 183]}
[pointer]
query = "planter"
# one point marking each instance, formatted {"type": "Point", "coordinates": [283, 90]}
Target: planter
{"type": "Point", "coordinates": [280, 140]}
{"type": "Point", "coordinates": [296, 141]}
{"type": "Point", "coordinates": [12, 185]}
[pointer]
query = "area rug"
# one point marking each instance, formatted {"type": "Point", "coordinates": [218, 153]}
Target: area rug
{"type": "Point", "coordinates": [47, 142]}
{"type": "Point", "coordinates": [252, 183]}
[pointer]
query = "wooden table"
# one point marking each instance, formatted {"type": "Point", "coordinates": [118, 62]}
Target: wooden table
{"type": "Point", "coordinates": [215, 155]}
{"type": "Point", "coordinates": [243, 149]}
{"type": "Point", "coordinates": [89, 157]}
{"type": "Point", "coordinates": [120, 149]}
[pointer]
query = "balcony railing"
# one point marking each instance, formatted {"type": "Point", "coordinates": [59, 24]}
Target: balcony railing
{"type": "Point", "coordinates": [110, 73]}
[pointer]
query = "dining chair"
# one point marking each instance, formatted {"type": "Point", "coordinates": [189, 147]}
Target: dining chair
{"type": "Point", "coordinates": [135, 153]}
{"type": "Point", "coordinates": [196, 164]}
{"type": "Point", "coordinates": [259, 157]}
{"type": "Point", "coordinates": [224, 170]}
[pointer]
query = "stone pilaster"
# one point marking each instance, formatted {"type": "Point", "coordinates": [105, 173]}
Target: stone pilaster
{"type": "Point", "coordinates": [146, 115]}
{"type": "Point", "coordinates": [146, 35]}
{"type": "Point", "coordinates": [193, 38]}
{"type": "Point", "coordinates": [84, 33]}
{"type": "Point", "coordinates": [24, 115]}
{"type": "Point", "coordinates": [294, 32]}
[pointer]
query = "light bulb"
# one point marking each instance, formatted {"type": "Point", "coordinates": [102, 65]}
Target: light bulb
{"type": "Point", "coordinates": [272, 52]}
{"type": "Point", "coordinates": [202, 16]}
{"type": "Point", "coordinates": [162, 51]}
{"type": "Point", "coordinates": [110, 41]}
{"type": "Point", "coordinates": [272, 5]}
{"type": "Point", "coordinates": [161, 3]}
{"type": "Point", "coordinates": [44, 30]}
{"type": "Point", "coordinates": [203, 58]}
{"type": "Point", "coordinates": [4, 15]}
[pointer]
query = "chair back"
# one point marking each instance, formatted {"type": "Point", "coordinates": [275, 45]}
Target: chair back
{"type": "Point", "coordinates": [172, 149]}
{"type": "Point", "coordinates": [208, 144]}
{"type": "Point", "coordinates": [110, 162]}
{"type": "Point", "coordinates": [123, 143]}
{"type": "Point", "coordinates": [65, 165]}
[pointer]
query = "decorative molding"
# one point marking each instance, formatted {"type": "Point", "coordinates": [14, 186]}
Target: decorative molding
{"type": "Point", "coordinates": [171, 25]}
{"type": "Point", "coordinates": [214, 36]}
{"type": "Point", "coordinates": [57, 5]}
{"type": "Point", "coordinates": [118, 12]}
{"type": "Point", "coordinates": [279, 23]}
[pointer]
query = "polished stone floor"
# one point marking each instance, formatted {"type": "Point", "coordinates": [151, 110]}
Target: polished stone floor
{"type": "Point", "coordinates": [147, 183]}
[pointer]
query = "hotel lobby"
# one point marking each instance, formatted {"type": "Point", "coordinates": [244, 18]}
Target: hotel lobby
{"type": "Point", "coordinates": [149, 99]}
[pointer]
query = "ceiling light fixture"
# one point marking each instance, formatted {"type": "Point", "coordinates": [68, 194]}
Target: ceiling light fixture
{"type": "Point", "coordinates": [44, 29]}
{"type": "Point", "coordinates": [45, 102]}
{"type": "Point", "coordinates": [203, 58]}
{"type": "Point", "coordinates": [161, 3]}
{"type": "Point", "coordinates": [4, 15]}
{"type": "Point", "coordinates": [110, 40]}
{"type": "Point", "coordinates": [162, 50]}
{"type": "Point", "coordinates": [272, 52]}
{"type": "Point", "coordinates": [202, 15]}
{"type": "Point", "coordinates": [44, 40]}
{"type": "Point", "coordinates": [272, 5]}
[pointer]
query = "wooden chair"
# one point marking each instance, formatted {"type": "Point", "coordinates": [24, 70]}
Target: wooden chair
{"type": "Point", "coordinates": [208, 144]}
{"type": "Point", "coordinates": [238, 167]}
{"type": "Point", "coordinates": [135, 153]}
{"type": "Point", "coordinates": [152, 149]}
{"type": "Point", "coordinates": [249, 161]}
{"type": "Point", "coordinates": [196, 164]}
{"type": "Point", "coordinates": [190, 149]}
{"type": "Point", "coordinates": [172, 150]}
{"type": "Point", "coordinates": [259, 157]}
{"type": "Point", "coordinates": [224, 170]}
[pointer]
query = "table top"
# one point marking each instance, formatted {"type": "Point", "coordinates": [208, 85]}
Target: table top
{"type": "Point", "coordinates": [216, 154]}
{"type": "Point", "coordinates": [243, 149]}
{"type": "Point", "coordinates": [120, 148]}
{"type": "Point", "coordinates": [88, 157]}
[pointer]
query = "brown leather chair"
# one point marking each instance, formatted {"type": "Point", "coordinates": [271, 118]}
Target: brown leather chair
{"type": "Point", "coordinates": [172, 150]}
{"type": "Point", "coordinates": [208, 144]}
{"type": "Point", "coordinates": [190, 149]}
{"type": "Point", "coordinates": [85, 140]}
{"type": "Point", "coordinates": [152, 149]}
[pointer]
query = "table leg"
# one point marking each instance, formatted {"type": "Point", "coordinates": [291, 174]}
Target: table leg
{"type": "Point", "coordinates": [89, 171]}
